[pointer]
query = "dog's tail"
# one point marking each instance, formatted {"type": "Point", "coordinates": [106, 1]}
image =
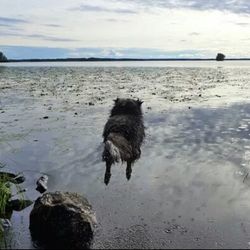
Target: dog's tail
{"type": "Point", "coordinates": [111, 152]}
{"type": "Point", "coordinates": [116, 149]}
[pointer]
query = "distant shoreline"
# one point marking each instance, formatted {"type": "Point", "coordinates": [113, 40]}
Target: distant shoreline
{"type": "Point", "coordinates": [94, 59]}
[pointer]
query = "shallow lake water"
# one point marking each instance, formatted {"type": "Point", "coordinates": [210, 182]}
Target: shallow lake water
{"type": "Point", "coordinates": [189, 189]}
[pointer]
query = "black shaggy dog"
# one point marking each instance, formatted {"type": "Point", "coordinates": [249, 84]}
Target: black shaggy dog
{"type": "Point", "coordinates": [123, 135]}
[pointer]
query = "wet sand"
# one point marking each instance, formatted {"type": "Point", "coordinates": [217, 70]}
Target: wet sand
{"type": "Point", "coordinates": [188, 190]}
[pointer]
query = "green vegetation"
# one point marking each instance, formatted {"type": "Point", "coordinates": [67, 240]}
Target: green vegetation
{"type": "Point", "coordinates": [3, 58]}
{"type": "Point", "coordinates": [8, 181]}
{"type": "Point", "coordinates": [5, 195]}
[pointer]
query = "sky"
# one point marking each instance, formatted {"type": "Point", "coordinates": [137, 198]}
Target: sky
{"type": "Point", "coordinates": [124, 28]}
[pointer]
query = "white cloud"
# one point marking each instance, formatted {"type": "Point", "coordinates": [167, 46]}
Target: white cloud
{"type": "Point", "coordinates": [111, 53]}
{"type": "Point", "coordinates": [164, 25]}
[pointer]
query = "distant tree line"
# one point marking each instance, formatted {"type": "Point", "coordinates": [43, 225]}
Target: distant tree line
{"type": "Point", "coordinates": [3, 58]}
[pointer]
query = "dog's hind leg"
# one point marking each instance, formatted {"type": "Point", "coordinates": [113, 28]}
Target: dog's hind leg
{"type": "Point", "coordinates": [129, 170]}
{"type": "Point", "coordinates": [107, 173]}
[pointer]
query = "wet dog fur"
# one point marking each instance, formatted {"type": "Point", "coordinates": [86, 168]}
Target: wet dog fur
{"type": "Point", "coordinates": [123, 135]}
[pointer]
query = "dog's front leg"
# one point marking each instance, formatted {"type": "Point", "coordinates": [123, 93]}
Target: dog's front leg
{"type": "Point", "coordinates": [107, 173]}
{"type": "Point", "coordinates": [128, 170]}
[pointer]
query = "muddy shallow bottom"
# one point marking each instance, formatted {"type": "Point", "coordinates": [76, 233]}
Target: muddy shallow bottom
{"type": "Point", "coordinates": [189, 189]}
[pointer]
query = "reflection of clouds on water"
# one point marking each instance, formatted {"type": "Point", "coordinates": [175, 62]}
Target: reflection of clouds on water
{"type": "Point", "coordinates": [222, 131]}
{"type": "Point", "coordinates": [202, 153]}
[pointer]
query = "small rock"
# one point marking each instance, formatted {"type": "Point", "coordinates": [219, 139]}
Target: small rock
{"type": "Point", "coordinates": [45, 117]}
{"type": "Point", "coordinates": [18, 204]}
{"type": "Point", "coordinates": [13, 178]}
{"type": "Point", "coordinates": [168, 231]}
{"type": "Point", "coordinates": [76, 113]}
{"type": "Point", "coordinates": [91, 104]}
{"type": "Point", "coordinates": [6, 223]}
{"type": "Point", "coordinates": [19, 179]}
{"type": "Point", "coordinates": [42, 184]}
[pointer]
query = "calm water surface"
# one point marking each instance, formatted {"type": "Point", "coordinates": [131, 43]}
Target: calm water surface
{"type": "Point", "coordinates": [164, 64]}
{"type": "Point", "coordinates": [189, 189]}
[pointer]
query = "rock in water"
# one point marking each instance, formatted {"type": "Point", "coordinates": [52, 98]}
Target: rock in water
{"type": "Point", "coordinates": [13, 178]}
{"type": "Point", "coordinates": [18, 204]}
{"type": "Point", "coordinates": [42, 184]}
{"type": "Point", "coordinates": [62, 220]}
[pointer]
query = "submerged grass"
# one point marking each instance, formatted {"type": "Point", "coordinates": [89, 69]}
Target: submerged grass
{"type": "Point", "coordinates": [5, 192]}
{"type": "Point", "coordinates": [5, 195]}
{"type": "Point", "coordinates": [9, 183]}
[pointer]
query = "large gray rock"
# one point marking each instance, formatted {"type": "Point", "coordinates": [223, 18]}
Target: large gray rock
{"type": "Point", "coordinates": [62, 220]}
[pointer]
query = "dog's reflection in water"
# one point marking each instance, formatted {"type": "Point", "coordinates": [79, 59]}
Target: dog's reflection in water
{"type": "Point", "coordinates": [123, 135]}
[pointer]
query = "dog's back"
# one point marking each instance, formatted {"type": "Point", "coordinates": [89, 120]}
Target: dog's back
{"type": "Point", "coordinates": [123, 134]}
{"type": "Point", "coordinates": [124, 131]}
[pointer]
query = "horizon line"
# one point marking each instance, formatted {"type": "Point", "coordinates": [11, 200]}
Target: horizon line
{"type": "Point", "coordinates": [119, 59]}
